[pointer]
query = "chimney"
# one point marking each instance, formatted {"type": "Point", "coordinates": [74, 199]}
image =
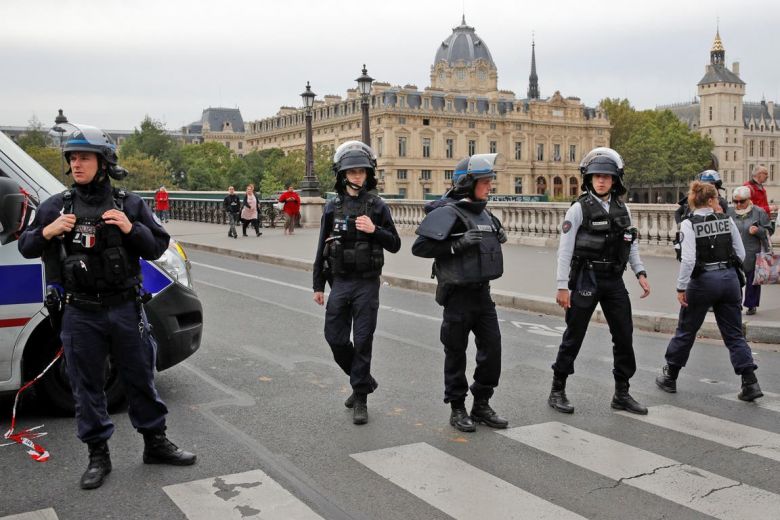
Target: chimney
{"type": "Point", "coordinates": [735, 68]}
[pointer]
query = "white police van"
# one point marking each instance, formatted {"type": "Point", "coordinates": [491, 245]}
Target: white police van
{"type": "Point", "coordinates": [28, 342]}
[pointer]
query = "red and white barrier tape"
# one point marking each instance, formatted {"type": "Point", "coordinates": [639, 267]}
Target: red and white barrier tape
{"type": "Point", "coordinates": [26, 436]}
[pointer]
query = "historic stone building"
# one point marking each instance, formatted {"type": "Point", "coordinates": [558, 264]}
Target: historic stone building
{"type": "Point", "coordinates": [223, 125]}
{"type": "Point", "coordinates": [745, 134]}
{"type": "Point", "coordinates": [419, 135]}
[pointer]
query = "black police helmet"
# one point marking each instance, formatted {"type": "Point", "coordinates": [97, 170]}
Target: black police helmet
{"type": "Point", "coordinates": [354, 154]}
{"type": "Point", "coordinates": [603, 160]}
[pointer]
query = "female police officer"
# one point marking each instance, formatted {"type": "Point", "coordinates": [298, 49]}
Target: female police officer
{"type": "Point", "coordinates": [356, 227]}
{"type": "Point", "coordinates": [465, 239]}
{"type": "Point", "coordinates": [710, 270]}
{"type": "Point", "coordinates": [90, 239]}
{"type": "Point", "coordinates": [597, 241]}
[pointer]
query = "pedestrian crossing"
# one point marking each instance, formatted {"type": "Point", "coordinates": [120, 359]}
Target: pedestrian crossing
{"type": "Point", "coordinates": [438, 477]}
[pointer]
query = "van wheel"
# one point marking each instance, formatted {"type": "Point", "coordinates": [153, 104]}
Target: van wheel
{"type": "Point", "coordinates": [56, 386]}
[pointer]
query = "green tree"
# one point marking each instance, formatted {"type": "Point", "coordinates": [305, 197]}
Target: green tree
{"type": "Point", "coordinates": [323, 168]}
{"type": "Point", "coordinates": [35, 136]}
{"type": "Point", "coordinates": [145, 173]}
{"type": "Point", "coordinates": [151, 140]}
{"type": "Point", "coordinates": [51, 159]}
{"type": "Point", "coordinates": [206, 166]}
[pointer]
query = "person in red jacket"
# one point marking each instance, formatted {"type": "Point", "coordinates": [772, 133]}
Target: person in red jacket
{"type": "Point", "coordinates": [161, 206]}
{"type": "Point", "coordinates": [757, 190]}
{"type": "Point", "coordinates": [292, 208]}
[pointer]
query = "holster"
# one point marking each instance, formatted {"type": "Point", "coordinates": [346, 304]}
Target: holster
{"type": "Point", "coordinates": [443, 293]}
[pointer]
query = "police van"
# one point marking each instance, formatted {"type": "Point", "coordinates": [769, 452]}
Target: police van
{"type": "Point", "coordinates": [27, 340]}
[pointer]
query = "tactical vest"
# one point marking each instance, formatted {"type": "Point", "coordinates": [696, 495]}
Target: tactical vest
{"type": "Point", "coordinates": [476, 264]}
{"type": "Point", "coordinates": [348, 250]}
{"type": "Point", "coordinates": [604, 236]}
{"type": "Point", "coordinates": [95, 261]}
{"type": "Point", "coordinates": [713, 238]}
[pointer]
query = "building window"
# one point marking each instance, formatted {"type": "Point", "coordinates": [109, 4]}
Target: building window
{"type": "Point", "coordinates": [518, 126]}
{"type": "Point", "coordinates": [761, 148]}
{"type": "Point", "coordinates": [401, 120]}
{"type": "Point", "coordinates": [557, 186]}
{"type": "Point", "coordinates": [240, 145]}
{"type": "Point", "coordinates": [426, 190]}
{"type": "Point", "coordinates": [471, 124]}
{"type": "Point", "coordinates": [401, 175]}
{"type": "Point", "coordinates": [481, 75]}
{"type": "Point", "coordinates": [541, 185]}
{"type": "Point", "coordinates": [425, 175]}
{"type": "Point", "coordinates": [460, 74]}
{"type": "Point", "coordinates": [735, 116]}
{"type": "Point", "coordinates": [449, 105]}
{"type": "Point", "coordinates": [556, 152]}
{"type": "Point", "coordinates": [599, 131]}
{"type": "Point", "coordinates": [492, 126]}
{"type": "Point", "coordinates": [540, 152]}
{"type": "Point", "coordinates": [426, 147]}
{"type": "Point", "coordinates": [771, 148]}
{"type": "Point", "coordinates": [518, 151]}
{"type": "Point", "coordinates": [426, 122]}
{"type": "Point", "coordinates": [380, 146]}
{"type": "Point", "coordinates": [735, 155]}
{"type": "Point", "coordinates": [518, 185]}
{"type": "Point", "coordinates": [573, 186]}
{"type": "Point", "coordinates": [401, 102]}
{"type": "Point", "coordinates": [710, 113]}
{"type": "Point", "coordinates": [402, 192]}
{"type": "Point", "coordinates": [381, 175]}
{"type": "Point", "coordinates": [493, 147]}
{"type": "Point", "coordinates": [426, 103]}
{"type": "Point", "coordinates": [449, 124]}
{"type": "Point", "coordinates": [449, 146]}
{"type": "Point", "coordinates": [771, 172]}
{"type": "Point", "coordinates": [727, 155]}
{"type": "Point", "coordinates": [448, 175]}
{"type": "Point", "coordinates": [572, 153]}
{"type": "Point", "coordinates": [750, 149]}
{"type": "Point", "coordinates": [402, 147]}
{"type": "Point", "coordinates": [472, 147]}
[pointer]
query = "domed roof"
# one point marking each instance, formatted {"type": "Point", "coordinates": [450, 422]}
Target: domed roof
{"type": "Point", "coordinates": [463, 44]}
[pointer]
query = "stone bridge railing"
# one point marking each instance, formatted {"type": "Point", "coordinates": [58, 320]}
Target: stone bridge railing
{"type": "Point", "coordinates": [211, 211]}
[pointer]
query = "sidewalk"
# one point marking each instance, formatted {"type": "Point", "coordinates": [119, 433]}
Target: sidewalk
{"type": "Point", "coordinates": [528, 282]}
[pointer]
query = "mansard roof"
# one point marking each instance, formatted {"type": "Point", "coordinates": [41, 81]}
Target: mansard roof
{"type": "Point", "coordinates": [463, 44]}
{"type": "Point", "coordinates": [719, 73]}
{"type": "Point", "coordinates": [215, 118]}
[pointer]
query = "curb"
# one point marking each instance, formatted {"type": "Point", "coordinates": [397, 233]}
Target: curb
{"type": "Point", "coordinates": [755, 331]}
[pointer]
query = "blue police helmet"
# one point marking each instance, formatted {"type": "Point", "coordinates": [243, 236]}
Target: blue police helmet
{"type": "Point", "coordinates": [476, 167]}
{"type": "Point", "coordinates": [712, 177]}
{"type": "Point", "coordinates": [85, 138]}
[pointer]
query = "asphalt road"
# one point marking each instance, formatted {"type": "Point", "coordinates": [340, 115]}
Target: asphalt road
{"type": "Point", "coordinates": [261, 405]}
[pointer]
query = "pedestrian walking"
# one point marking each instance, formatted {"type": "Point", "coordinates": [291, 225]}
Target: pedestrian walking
{"type": "Point", "coordinates": [232, 206]}
{"type": "Point", "coordinates": [292, 208]}
{"type": "Point", "coordinates": [597, 241]}
{"type": "Point", "coordinates": [250, 211]}
{"type": "Point", "coordinates": [161, 204]}
{"type": "Point", "coordinates": [710, 275]}
{"type": "Point", "coordinates": [355, 230]}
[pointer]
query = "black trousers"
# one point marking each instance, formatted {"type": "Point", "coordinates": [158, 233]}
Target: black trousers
{"type": "Point", "coordinates": [469, 310]}
{"type": "Point", "coordinates": [612, 294]}
{"type": "Point", "coordinates": [352, 307]}
{"type": "Point", "coordinates": [255, 224]}
{"type": "Point", "coordinates": [719, 289]}
{"type": "Point", "coordinates": [88, 338]}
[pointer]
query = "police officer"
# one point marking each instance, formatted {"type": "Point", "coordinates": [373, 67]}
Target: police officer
{"type": "Point", "coordinates": [597, 241]}
{"type": "Point", "coordinates": [710, 275]}
{"type": "Point", "coordinates": [355, 230]}
{"type": "Point", "coordinates": [465, 240]}
{"type": "Point", "coordinates": [232, 206]}
{"type": "Point", "coordinates": [683, 211]}
{"type": "Point", "coordinates": [90, 238]}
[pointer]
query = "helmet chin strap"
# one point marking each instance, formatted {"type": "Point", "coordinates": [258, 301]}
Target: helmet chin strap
{"type": "Point", "coordinates": [356, 187]}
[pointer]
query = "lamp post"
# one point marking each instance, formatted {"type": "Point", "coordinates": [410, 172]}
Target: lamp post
{"type": "Point", "coordinates": [310, 186]}
{"type": "Point", "coordinates": [364, 86]}
{"type": "Point", "coordinates": [58, 122]}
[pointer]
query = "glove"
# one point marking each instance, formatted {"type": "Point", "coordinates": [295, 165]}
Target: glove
{"type": "Point", "coordinates": [470, 238]}
{"type": "Point", "coordinates": [501, 235]}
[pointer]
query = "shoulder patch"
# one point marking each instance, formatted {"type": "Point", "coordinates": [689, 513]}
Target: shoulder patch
{"type": "Point", "coordinates": [566, 226]}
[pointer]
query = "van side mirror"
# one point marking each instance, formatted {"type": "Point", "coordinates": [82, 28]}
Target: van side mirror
{"type": "Point", "coordinates": [15, 210]}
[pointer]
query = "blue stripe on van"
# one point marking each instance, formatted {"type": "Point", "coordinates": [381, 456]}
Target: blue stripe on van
{"type": "Point", "coordinates": [154, 280]}
{"type": "Point", "coordinates": [21, 284]}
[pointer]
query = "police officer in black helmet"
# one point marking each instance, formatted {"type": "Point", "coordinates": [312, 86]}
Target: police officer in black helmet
{"type": "Point", "coordinates": [90, 239]}
{"type": "Point", "coordinates": [465, 240]}
{"type": "Point", "coordinates": [597, 241]}
{"type": "Point", "coordinates": [355, 230]}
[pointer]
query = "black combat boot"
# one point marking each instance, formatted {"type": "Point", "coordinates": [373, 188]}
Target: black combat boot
{"type": "Point", "coordinates": [750, 389]}
{"type": "Point", "coordinates": [459, 418]}
{"type": "Point", "coordinates": [667, 381]}
{"type": "Point", "coordinates": [360, 409]}
{"type": "Point", "coordinates": [159, 450]}
{"type": "Point", "coordinates": [99, 465]}
{"type": "Point", "coordinates": [350, 402]}
{"type": "Point", "coordinates": [622, 400]}
{"type": "Point", "coordinates": [481, 412]}
{"type": "Point", "coordinates": [558, 399]}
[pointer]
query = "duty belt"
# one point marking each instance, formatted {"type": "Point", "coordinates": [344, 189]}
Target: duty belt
{"type": "Point", "coordinates": [716, 266]}
{"type": "Point", "coordinates": [600, 267]}
{"type": "Point", "coordinates": [97, 302]}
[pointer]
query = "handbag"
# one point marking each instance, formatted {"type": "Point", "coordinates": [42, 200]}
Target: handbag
{"type": "Point", "coordinates": [767, 268]}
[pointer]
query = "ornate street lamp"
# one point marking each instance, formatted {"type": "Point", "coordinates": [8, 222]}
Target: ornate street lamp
{"type": "Point", "coordinates": [310, 186]}
{"type": "Point", "coordinates": [58, 122]}
{"type": "Point", "coordinates": [364, 87]}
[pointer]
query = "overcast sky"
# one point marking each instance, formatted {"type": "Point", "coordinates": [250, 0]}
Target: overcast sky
{"type": "Point", "coordinates": [109, 63]}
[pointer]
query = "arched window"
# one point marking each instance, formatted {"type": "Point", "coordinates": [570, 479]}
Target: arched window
{"type": "Point", "coordinates": [541, 185]}
{"type": "Point", "coordinates": [574, 186]}
{"type": "Point", "coordinates": [557, 186]}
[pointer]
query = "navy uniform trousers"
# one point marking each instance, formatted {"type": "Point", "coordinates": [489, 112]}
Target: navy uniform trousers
{"type": "Point", "coordinates": [612, 294]}
{"type": "Point", "coordinates": [470, 310]}
{"type": "Point", "coordinates": [353, 304]}
{"type": "Point", "coordinates": [88, 338]}
{"type": "Point", "coordinates": [720, 290]}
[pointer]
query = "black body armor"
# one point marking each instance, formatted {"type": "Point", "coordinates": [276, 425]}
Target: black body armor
{"type": "Point", "coordinates": [349, 251]}
{"type": "Point", "coordinates": [604, 239]}
{"type": "Point", "coordinates": [713, 238]}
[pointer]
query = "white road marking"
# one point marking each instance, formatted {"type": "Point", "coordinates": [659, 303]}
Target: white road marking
{"type": "Point", "coordinates": [685, 485]}
{"type": "Point", "coordinates": [455, 487]}
{"type": "Point", "coordinates": [770, 401]}
{"type": "Point", "coordinates": [41, 514]}
{"type": "Point", "coordinates": [241, 495]}
{"type": "Point", "coordinates": [731, 434]}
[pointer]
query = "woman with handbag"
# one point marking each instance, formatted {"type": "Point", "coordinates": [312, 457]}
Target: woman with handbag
{"type": "Point", "coordinates": [754, 228]}
{"type": "Point", "coordinates": [250, 210]}
{"type": "Point", "coordinates": [709, 276]}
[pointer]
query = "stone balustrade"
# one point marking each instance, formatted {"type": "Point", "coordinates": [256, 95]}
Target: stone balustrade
{"type": "Point", "coordinates": [211, 211]}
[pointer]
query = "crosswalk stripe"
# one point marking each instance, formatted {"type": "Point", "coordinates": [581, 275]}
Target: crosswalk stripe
{"type": "Point", "coordinates": [731, 434]}
{"type": "Point", "coordinates": [41, 514]}
{"type": "Point", "coordinates": [686, 485]}
{"type": "Point", "coordinates": [770, 401]}
{"type": "Point", "coordinates": [240, 495]}
{"type": "Point", "coordinates": [456, 487]}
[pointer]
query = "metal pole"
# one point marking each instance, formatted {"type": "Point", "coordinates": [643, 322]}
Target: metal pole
{"type": "Point", "coordinates": [365, 128]}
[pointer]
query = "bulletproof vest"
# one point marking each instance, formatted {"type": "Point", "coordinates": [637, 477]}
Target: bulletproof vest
{"type": "Point", "coordinates": [95, 261]}
{"type": "Point", "coordinates": [713, 238]}
{"type": "Point", "coordinates": [350, 251]}
{"type": "Point", "coordinates": [476, 264]}
{"type": "Point", "coordinates": [604, 236]}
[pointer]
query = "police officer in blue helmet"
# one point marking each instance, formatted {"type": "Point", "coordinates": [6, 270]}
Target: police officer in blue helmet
{"type": "Point", "coordinates": [710, 177]}
{"type": "Point", "coordinates": [465, 240]}
{"type": "Point", "coordinates": [90, 238]}
{"type": "Point", "coordinates": [450, 195]}
{"type": "Point", "coordinates": [355, 230]}
{"type": "Point", "coordinates": [597, 242]}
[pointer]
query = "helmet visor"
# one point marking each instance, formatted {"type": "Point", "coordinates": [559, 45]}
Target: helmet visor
{"type": "Point", "coordinates": [486, 164]}
{"type": "Point", "coordinates": [607, 153]}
